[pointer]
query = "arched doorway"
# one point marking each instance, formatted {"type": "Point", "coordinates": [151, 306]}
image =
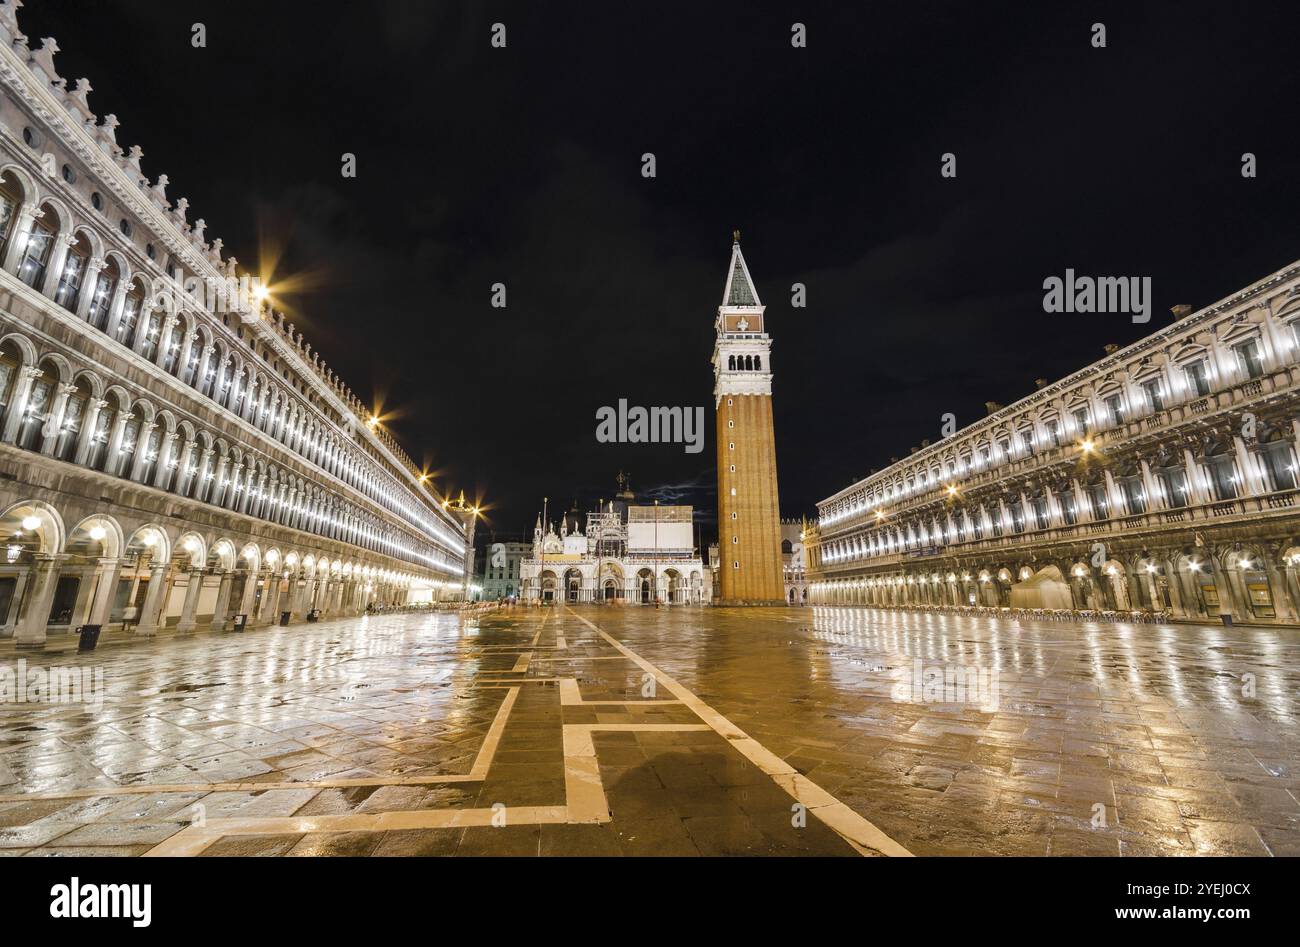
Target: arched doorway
{"type": "Point", "coordinates": [1115, 586]}
{"type": "Point", "coordinates": [572, 585]}
{"type": "Point", "coordinates": [676, 587]}
{"type": "Point", "coordinates": [645, 586]}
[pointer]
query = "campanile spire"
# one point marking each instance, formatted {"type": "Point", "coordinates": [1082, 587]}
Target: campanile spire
{"type": "Point", "coordinates": [749, 519]}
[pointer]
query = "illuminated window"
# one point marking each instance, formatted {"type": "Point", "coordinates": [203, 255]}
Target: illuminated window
{"type": "Point", "coordinates": [1196, 380]}
{"type": "Point", "coordinates": [1249, 358]}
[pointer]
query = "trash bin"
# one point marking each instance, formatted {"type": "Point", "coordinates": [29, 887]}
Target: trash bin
{"type": "Point", "coordinates": [313, 615]}
{"type": "Point", "coordinates": [89, 636]}
{"type": "Point", "coordinates": [284, 618]}
{"type": "Point", "coordinates": [241, 621]}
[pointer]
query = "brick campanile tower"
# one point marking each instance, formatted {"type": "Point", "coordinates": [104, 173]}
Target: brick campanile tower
{"type": "Point", "coordinates": [749, 519]}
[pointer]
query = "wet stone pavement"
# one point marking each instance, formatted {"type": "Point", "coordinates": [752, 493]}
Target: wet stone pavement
{"type": "Point", "coordinates": [684, 731]}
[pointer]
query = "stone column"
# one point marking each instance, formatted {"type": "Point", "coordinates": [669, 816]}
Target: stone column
{"type": "Point", "coordinates": [271, 598]}
{"type": "Point", "coordinates": [15, 604]}
{"type": "Point", "coordinates": [165, 448]}
{"type": "Point", "coordinates": [186, 355]}
{"type": "Point", "coordinates": [89, 424]}
{"type": "Point", "coordinates": [54, 420]}
{"type": "Point", "coordinates": [1197, 492]}
{"type": "Point", "coordinates": [142, 320]}
{"type": "Point", "coordinates": [1251, 479]}
{"type": "Point", "coordinates": [1176, 588]}
{"type": "Point", "coordinates": [141, 452]}
{"type": "Point", "coordinates": [115, 311]}
{"type": "Point", "coordinates": [1114, 498]}
{"type": "Point", "coordinates": [30, 632]}
{"type": "Point", "coordinates": [1223, 583]}
{"type": "Point", "coordinates": [27, 215]}
{"type": "Point", "coordinates": [18, 402]}
{"type": "Point", "coordinates": [200, 380]}
{"type": "Point", "coordinates": [202, 468]}
{"type": "Point", "coordinates": [193, 588]}
{"type": "Point", "coordinates": [113, 459]}
{"type": "Point", "coordinates": [164, 339]}
{"type": "Point", "coordinates": [1277, 587]}
{"type": "Point", "coordinates": [234, 493]}
{"type": "Point", "coordinates": [86, 590]}
{"type": "Point", "coordinates": [110, 571]}
{"type": "Point", "coordinates": [89, 284]}
{"type": "Point", "coordinates": [1082, 508]}
{"type": "Point", "coordinates": [185, 469]}
{"type": "Point", "coordinates": [249, 596]}
{"type": "Point", "coordinates": [155, 597]}
{"type": "Point", "coordinates": [1153, 595]}
{"type": "Point", "coordinates": [221, 609]}
{"type": "Point", "coordinates": [217, 493]}
{"type": "Point", "coordinates": [1152, 489]}
{"type": "Point", "coordinates": [54, 270]}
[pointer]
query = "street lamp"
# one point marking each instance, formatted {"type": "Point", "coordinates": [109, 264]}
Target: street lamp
{"type": "Point", "coordinates": [470, 515]}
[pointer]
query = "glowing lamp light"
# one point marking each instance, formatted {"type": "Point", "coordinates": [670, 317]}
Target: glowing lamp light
{"type": "Point", "coordinates": [31, 523]}
{"type": "Point", "coordinates": [97, 533]}
{"type": "Point", "coordinates": [1087, 446]}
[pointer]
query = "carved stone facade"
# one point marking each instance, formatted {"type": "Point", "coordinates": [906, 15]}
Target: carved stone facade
{"type": "Point", "coordinates": [628, 555]}
{"type": "Point", "coordinates": [1160, 480]}
{"type": "Point", "coordinates": [171, 456]}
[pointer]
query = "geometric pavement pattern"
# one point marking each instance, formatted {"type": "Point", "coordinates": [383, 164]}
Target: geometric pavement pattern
{"type": "Point", "coordinates": [679, 731]}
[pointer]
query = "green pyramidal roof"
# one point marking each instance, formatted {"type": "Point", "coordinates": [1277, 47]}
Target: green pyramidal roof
{"type": "Point", "coordinates": [742, 294]}
{"type": "Point", "coordinates": [739, 291]}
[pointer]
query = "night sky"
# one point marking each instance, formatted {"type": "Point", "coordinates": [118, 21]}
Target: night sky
{"type": "Point", "coordinates": [523, 166]}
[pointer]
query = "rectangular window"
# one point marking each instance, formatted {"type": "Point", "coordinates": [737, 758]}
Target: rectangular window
{"type": "Point", "coordinates": [1115, 409]}
{"type": "Point", "coordinates": [1277, 461]}
{"type": "Point", "coordinates": [1250, 359]}
{"type": "Point", "coordinates": [1155, 400]}
{"type": "Point", "coordinates": [1100, 505]}
{"type": "Point", "coordinates": [1173, 484]}
{"type": "Point", "coordinates": [1067, 509]}
{"type": "Point", "coordinates": [1223, 477]}
{"type": "Point", "coordinates": [1196, 380]}
{"type": "Point", "coordinates": [1040, 513]}
{"type": "Point", "coordinates": [1134, 497]}
{"type": "Point", "coordinates": [1081, 420]}
{"type": "Point", "coordinates": [1017, 517]}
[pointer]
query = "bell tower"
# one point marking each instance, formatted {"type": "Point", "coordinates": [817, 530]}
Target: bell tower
{"type": "Point", "coordinates": [749, 519]}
